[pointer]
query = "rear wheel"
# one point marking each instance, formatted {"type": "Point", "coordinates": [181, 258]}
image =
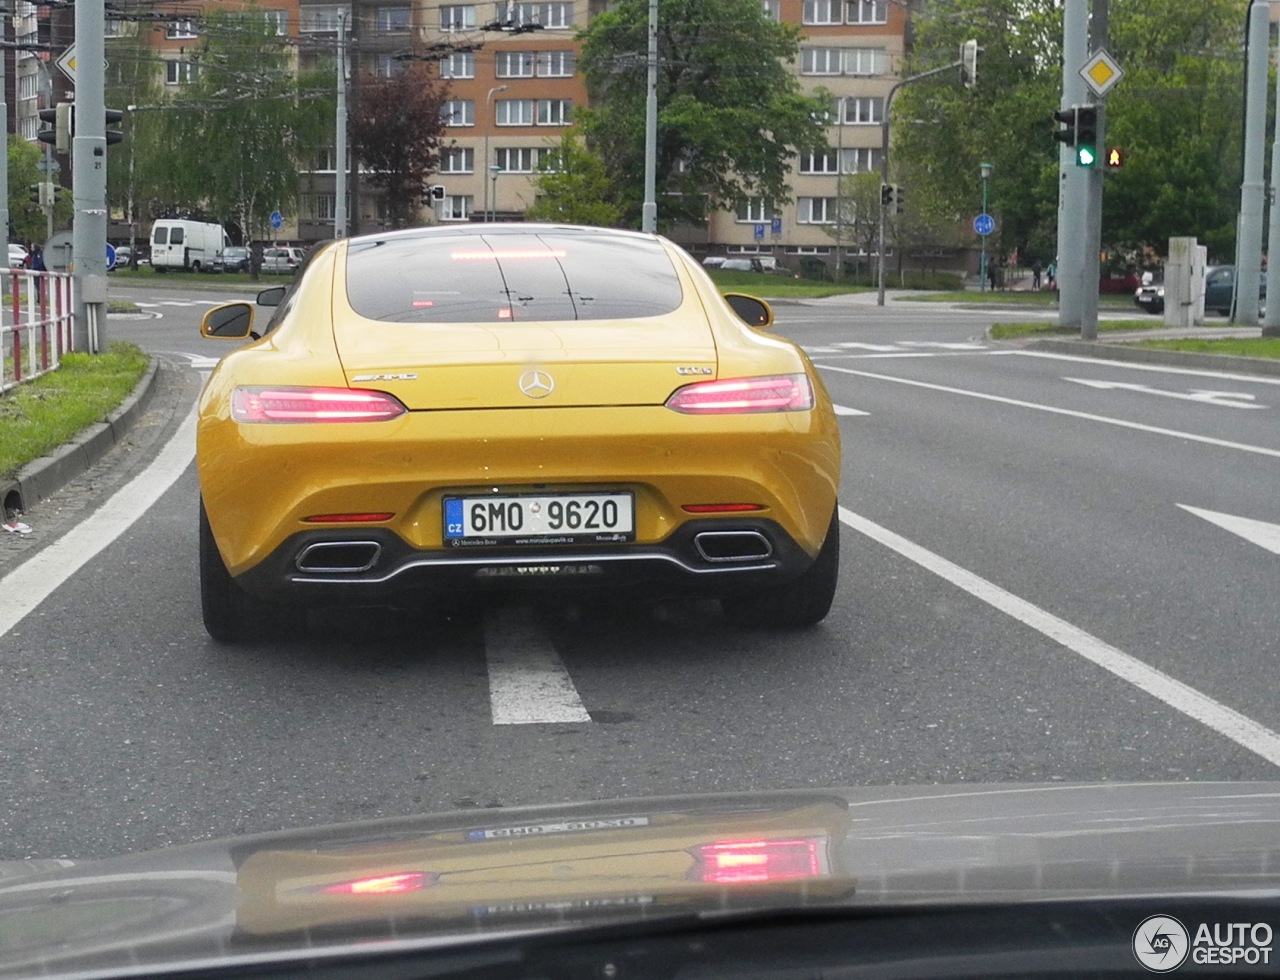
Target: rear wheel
{"type": "Point", "coordinates": [230, 614]}
{"type": "Point", "coordinates": [804, 602]}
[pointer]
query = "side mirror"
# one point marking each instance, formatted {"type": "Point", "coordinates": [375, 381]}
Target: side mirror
{"type": "Point", "coordinates": [231, 321]}
{"type": "Point", "coordinates": [272, 296]}
{"type": "Point", "coordinates": [751, 311]}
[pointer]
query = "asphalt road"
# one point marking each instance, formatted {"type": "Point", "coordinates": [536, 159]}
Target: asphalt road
{"type": "Point", "coordinates": [1036, 586]}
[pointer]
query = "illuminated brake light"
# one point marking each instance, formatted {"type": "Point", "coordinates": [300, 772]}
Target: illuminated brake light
{"type": "Point", "coordinates": [785, 393]}
{"type": "Point", "coordinates": [754, 861]}
{"type": "Point", "coordinates": [720, 508]}
{"type": "Point", "coordinates": [397, 884]}
{"type": "Point", "coordinates": [313, 405]}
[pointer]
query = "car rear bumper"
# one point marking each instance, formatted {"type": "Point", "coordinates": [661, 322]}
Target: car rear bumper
{"type": "Point", "coordinates": [704, 557]}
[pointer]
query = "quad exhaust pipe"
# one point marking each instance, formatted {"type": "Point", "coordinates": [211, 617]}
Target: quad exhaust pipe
{"type": "Point", "coordinates": [338, 557]}
{"type": "Point", "coordinates": [731, 546]}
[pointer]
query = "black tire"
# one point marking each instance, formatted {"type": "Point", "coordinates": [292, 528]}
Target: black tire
{"type": "Point", "coordinates": [230, 614]}
{"type": "Point", "coordinates": [804, 602]}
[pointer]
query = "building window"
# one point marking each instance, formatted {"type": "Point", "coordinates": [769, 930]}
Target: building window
{"type": "Point", "coordinates": [555, 64]}
{"type": "Point", "coordinates": [458, 17]}
{"type": "Point", "coordinates": [180, 29]}
{"type": "Point", "coordinates": [772, 9]}
{"type": "Point", "coordinates": [864, 61]}
{"type": "Point", "coordinates": [516, 159]}
{"type": "Point", "coordinates": [546, 15]}
{"type": "Point", "coordinates": [754, 211]}
{"type": "Point", "coordinates": [818, 163]}
{"type": "Point", "coordinates": [514, 112]}
{"type": "Point", "coordinates": [818, 12]}
{"type": "Point", "coordinates": [322, 20]}
{"type": "Point", "coordinates": [458, 160]}
{"type": "Point", "coordinates": [868, 11]}
{"type": "Point", "coordinates": [459, 65]}
{"type": "Point", "coordinates": [389, 66]}
{"type": "Point", "coordinates": [514, 64]}
{"type": "Point", "coordinates": [860, 160]}
{"type": "Point", "coordinates": [393, 19]}
{"type": "Point", "coordinates": [459, 112]}
{"type": "Point", "coordinates": [548, 159]}
{"type": "Point", "coordinates": [277, 21]}
{"type": "Point", "coordinates": [815, 210]}
{"type": "Point", "coordinates": [820, 61]}
{"type": "Point", "coordinates": [179, 72]}
{"type": "Point", "coordinates": [456, 207]}
{"type": "Point", "coordinates": [554, 112]}
{"type": "Point", "coordinates": [113, 27]}
{"type": "Point", "coordinates": [319, 207]}
{"type": "Point", "coordinates": [863, 111]}
{"type": "Point", "coordinates": [28, 86]}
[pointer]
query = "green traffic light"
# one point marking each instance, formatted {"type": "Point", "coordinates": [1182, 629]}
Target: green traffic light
{"type": "Point", "coordinates": [1086, 156]}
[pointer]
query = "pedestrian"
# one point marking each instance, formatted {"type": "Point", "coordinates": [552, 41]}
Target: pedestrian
{"type": "Point", "coordinates": [1035, 274]}
{"type": "Point", "coordinates": [36, 258]}
{"type": "Point", "coordinates": [1051, 274]}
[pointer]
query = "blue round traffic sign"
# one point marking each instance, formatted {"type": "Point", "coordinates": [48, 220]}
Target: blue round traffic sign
{"type": "Point", "coordinates": [111, 257]}
{"type": "Point", "coordinates": [984, 224]}
{"type": "Point", "coordinates": [277, 219]}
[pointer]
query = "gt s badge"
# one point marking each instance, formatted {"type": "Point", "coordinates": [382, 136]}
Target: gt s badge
{"type": "Point", "coordinates": [385, 377]}
{"type": "Point", "coordinates": [694, 369]}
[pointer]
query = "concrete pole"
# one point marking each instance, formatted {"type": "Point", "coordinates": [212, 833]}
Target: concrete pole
{"type": "Point", "coordinates": [1249, 241]}
{"type": "Point", "coordinates": [1271, 322]}
{"type": "Point", "coordinates": [89, 181]}
{"type": "Point", "coordinates": [649, 211]}
{"type": "Point", "coordinates": [1073, 181]}
{"type": "Point", "coordinates": [1093, 176]}
{"type": "Point", "coordinates": [340, 136]}
{"type": "Point", "coordinates": [4, 157]}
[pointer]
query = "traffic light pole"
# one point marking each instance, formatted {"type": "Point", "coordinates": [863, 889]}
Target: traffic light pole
{"type": "Point", "coordinates": [1090, 275]}
{"type": "Point", "coordinates": [4, 157]}
{"type": "Point", "coordinates": [1252, 187]}
{"type": "Point", "coordinates": [1073, 183]}
{"type": "Point", "coordinates": [89, 181]}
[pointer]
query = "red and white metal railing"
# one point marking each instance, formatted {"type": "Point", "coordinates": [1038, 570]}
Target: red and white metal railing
{"type": "Point", "coordinates": [35, 325]}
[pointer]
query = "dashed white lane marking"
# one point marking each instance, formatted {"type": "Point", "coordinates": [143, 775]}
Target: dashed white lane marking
{"type": "Point", "coordinates": [528, 684]}
{"type": "Point", "coordinates": [846, 410]}
{"type": "Point", "coordinates": [1053, 409]}
{"type": "Point", "coordinates": [28, 585]}
{"type": "Point", "coordinates": [1242, 730]}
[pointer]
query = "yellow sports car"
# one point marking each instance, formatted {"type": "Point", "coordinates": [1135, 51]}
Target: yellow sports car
{"type": "Point", "coordinates": [448, 410]}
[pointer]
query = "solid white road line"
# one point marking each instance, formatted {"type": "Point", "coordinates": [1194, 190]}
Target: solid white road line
{"type": "Point", "coordinates": [1087, 416]}
{"type": "Point", "coordinates": [528, 684]}
{"type": "Point", "coordinates": [28, 585]}
{"type": "Point", "coordinates": [846, 410]}
{"type": "Point", "coordinates": [1225, 721]}
{"type": "Point", "coordinates": [1160, 368]}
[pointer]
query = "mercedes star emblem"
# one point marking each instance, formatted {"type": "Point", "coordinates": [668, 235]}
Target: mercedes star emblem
{"type": "Point", "coordinates": [536, 384]}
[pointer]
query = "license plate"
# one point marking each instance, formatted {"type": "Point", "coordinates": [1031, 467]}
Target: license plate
{"type": "Point", "coordinates": [560, 518]}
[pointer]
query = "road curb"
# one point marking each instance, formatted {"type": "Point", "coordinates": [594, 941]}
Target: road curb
{"type": "Point", "coordinates": [43, 476]}
{"type": "Point", "coordinates": [1151, 355]}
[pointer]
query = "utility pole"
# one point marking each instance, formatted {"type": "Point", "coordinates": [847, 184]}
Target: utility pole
{"type": "Point", "coordinates": [1252, 196]}
{"type": "Point", "coordinates": [89, 181]}
{"type": "Point", "coordinates": [1091, 273]}
{"type": "Point", "coordinates": [649, 211]}
{"type": "Point", "coordinates": [4, 157]}
{"type": "Point", "coordinates": [1271, 322]}
{"type": "Point", "coordinates": [1073, 182]}
{"type": "Point", "coordinates": [340, 136]}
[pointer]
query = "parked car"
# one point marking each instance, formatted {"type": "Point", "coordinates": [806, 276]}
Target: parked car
{"type": "Point", "coordinates": [282, 261]}
{"type": "Point", "coordinates": [17, 256]}
{"type": "Point", "coordinates": [757, 263]}
{"type": "Point", "coordinates": [1219, 284]}
{"type": "Point", "coordinates": [235, 259]}
{"type": "Point", "coordinates": [1150, 297]}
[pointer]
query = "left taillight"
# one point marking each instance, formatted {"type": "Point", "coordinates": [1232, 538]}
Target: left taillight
{"type": "Point", "coordinates": [391, 884]}
{"type": "Point", "coordinates": [781, 393]}
{"type": "Point", "coordinates": [742, 862]}
{"type": "Point", "coordinates": [257, 404]}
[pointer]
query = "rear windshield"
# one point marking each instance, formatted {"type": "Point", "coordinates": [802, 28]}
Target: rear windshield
{"type": "Point", "coordinates": [547, 275]}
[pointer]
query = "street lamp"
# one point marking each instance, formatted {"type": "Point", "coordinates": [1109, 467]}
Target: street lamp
{"type": "Point", "coordinates": [985, 169]}
{"type": "Point", "coordinates": [488, 124]}
{"type": "Point", "coordinates": [494, 170]}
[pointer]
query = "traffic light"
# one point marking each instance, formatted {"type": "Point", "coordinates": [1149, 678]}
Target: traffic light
{"type": "Point", "coordinates": [969, 63]}
{"type": "Point", "coordinates": [37, 193]}
{"type": "Point", "coordinates": [1068, 118]}
{"type": "Point", "coordinates": [886, 195]}
{"type": "Point", "coordinates": [61, 119]}
{"type": "Point", "coordinates": [1086, 143]}
{"type": "Point", "coordinates": [898, 199]}
{"type": "Point", "coordinates": [1115, 158]}
{"type": "Point", "coordinates": [892, 198]}
{"type": "Point", "coordinates": [114, 118]}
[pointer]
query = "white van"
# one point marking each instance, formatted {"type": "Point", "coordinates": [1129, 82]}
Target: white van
{"type": "Point", "coordinates": [195, 246]}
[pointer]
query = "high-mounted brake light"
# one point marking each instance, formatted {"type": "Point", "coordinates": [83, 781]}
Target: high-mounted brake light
{"type": "Point", "coordinates": [395, 884]}
{"type": "Point", "coordinates": [313, 405]}
{"type": "Point", "coordinates": [784, 393]}
{"type": "Point", "coordinates": [753, 861]}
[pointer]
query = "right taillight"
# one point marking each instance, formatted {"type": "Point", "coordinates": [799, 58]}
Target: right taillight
{"type": "Point", "coordinates": [781, 393]}
{"type": "Point", "coordinates": [741, 862]}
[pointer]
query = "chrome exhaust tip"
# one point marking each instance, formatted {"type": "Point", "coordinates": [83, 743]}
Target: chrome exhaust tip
{"type": "Point", "coordinates": [730, 546]}
{"type": "Point", "coordinates": [338, 557]}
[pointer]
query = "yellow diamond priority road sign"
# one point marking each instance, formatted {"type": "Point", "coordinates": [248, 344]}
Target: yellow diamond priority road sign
{"type": "Point", "coordinates": [1101, 73]}
{"type": "Point", "coordinates": [67, 62]}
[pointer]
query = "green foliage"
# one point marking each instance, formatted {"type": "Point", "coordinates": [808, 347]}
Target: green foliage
{"type": "Point", "coordinates": [1177, 113]}
{"type": "Point", "coordinates": [229, 145]}
{"type": "Point", "coordinates": [573, 186]}
{"type": "Point", "coordinates": [26, 219]}
{"type": "Point", "coordinates": [397, 130]}
{"type": "Point", "coordinates": [731, 114]}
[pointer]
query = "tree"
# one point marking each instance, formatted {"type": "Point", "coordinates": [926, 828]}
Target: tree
{"type": "Point", "coordinates": [230, 143]}
{"type": "Point", "coordinates": [26, 219]}
{"type": "Point", "coordinates": [572, 186]}
{"type": "Point", "coordinates": [731, 115]}
{"type": "Point", "coordinates": [397, 130]}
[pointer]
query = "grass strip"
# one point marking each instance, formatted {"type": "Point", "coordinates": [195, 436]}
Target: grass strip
{"type": "Point", "coordinates": [1238, 346]}
{"type": "Point", "coordinates": [1009, 331]}
{"type": "Point", "coordinates": [1012, 297]}
{"type": "Point", "coordinates": [40, 415]}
